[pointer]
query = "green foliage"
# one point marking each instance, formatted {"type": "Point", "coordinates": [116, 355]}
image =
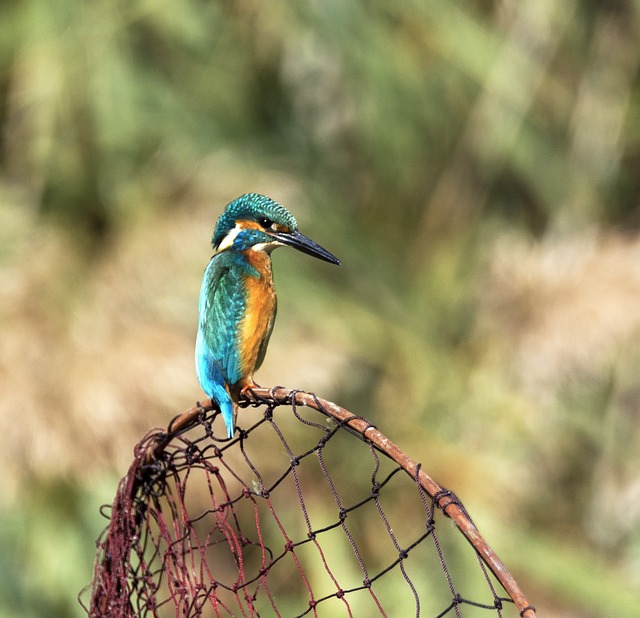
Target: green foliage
{"type": "Point", "coordinates": [45, 561]}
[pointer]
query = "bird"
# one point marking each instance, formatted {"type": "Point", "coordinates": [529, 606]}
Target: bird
{"type": "Point", "coordinates": [237, 305]}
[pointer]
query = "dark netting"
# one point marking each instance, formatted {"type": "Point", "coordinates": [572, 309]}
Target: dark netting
{"type": "Point", "coordinates": [308, 511]}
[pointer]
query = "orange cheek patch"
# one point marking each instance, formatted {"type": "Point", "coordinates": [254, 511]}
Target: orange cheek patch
{"type": "Point", "coordinates": [245, 224]}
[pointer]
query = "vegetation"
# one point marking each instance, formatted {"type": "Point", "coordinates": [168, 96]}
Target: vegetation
{"type": "Point", "coordinates": [474, 164]}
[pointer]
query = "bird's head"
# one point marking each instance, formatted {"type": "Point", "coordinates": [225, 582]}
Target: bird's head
{"type": "Point", "coordinates": [256, 222]}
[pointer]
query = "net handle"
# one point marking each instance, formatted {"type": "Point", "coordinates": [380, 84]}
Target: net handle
{"type": "Point", "coordinates": [443, 499]}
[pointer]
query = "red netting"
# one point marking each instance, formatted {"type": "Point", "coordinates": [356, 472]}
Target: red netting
{"type": "Point", "coordinates": [309, 511]}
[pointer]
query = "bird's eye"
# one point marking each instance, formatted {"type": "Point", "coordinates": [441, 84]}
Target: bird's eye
{"type": "Point", "coordinates": [265, 223]}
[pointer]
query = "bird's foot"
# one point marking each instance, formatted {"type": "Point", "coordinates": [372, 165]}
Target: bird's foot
{"type": "Point", "coordinates": [247, 393]}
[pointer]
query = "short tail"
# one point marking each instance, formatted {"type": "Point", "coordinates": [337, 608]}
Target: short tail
{"type": "Point", "coordinates": [214, 385]}
{"type": "Point", "coordinates": [226, 408]}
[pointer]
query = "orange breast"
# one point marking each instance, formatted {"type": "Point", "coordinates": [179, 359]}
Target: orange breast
{"type": "Point", "coordinates": [255, 328]}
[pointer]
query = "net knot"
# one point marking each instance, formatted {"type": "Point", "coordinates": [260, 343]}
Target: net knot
{"type": "Point", "coordinates": [192, 454]}
{"type": "Point", "coordinates": [447, 497]}
{"type": "Point", "coordinates": [207, 425]}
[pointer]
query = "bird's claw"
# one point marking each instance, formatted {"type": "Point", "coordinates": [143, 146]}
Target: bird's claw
{"type": "Point", "coordinates": [248, 394]}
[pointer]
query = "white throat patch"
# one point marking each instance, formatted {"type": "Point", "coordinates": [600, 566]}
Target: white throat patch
{"type": "Point", "coordinates": [227, 241]}
{"type": "Point", "coordinates": [267, 247]}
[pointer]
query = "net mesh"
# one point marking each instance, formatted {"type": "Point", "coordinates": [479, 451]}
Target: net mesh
{"type": "Point", "coordinates": [318, 517]}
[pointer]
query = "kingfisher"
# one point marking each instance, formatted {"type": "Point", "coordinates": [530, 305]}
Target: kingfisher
{"type": "Point", "coordinates": [237, 307]}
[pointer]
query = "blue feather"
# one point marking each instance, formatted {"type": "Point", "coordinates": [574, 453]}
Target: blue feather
{"type": "Point", "coordinates": [221, 308]}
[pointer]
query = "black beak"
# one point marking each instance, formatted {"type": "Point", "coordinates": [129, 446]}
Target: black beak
{"type": "Point", "coordinates": [306, 245]}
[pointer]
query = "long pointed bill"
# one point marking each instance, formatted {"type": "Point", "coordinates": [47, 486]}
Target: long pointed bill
{"type": "Point", "coordinates": [306, 245]}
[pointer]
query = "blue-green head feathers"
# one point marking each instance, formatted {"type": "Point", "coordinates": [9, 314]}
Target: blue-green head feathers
{"type": "Point", "coordinates": [256, 222]}
{"type": "Point", "coordinates": [253, 207]}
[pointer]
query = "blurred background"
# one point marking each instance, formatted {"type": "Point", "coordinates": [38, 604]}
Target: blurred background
{"type": "Point", "coordinates": [474, 164]}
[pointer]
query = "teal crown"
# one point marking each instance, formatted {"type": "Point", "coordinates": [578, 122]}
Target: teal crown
{"type": "Point", "coordinates": [252, 207]}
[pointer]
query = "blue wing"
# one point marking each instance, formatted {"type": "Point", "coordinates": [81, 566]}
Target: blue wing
{"type": "Point", "coordinates": [221, 308]}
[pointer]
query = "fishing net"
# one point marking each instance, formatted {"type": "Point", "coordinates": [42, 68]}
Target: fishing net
{"type": "Point", "coordinates": [308, 511]}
